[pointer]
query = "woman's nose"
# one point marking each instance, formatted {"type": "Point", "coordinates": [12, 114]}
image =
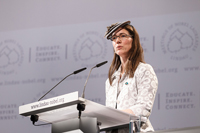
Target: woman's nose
{"type": "Point", "coordinates": [118, 39]}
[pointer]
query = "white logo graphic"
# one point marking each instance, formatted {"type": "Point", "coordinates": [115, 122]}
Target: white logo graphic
{"type": "Point", "coordinates": [90, 49]}
{"type": "Point", "coordinates": [8, 56]}
{"type": "Point", "coordinates": [11, 56]}
{"type": "Point", "coordinates": [89, 46]}
{"type": "Point", "coordinates": [179, 41]}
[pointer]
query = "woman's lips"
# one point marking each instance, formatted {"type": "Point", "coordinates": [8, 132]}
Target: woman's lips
{"type": "Point", "coordinates": [118, 47]}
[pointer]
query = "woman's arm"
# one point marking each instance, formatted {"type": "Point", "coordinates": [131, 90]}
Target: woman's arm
{"type": "Point", "coordinates": [147, 83]}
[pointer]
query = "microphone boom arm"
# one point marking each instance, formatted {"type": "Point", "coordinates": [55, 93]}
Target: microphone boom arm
{"type": "Point", "coordinates": [98, 65]}
{"type": "Point", "coordinates": [83, 94]}
{"type": "Point", "coordinates": [55, 86]}
{"type": "Point", "coordinates": [75, 72]}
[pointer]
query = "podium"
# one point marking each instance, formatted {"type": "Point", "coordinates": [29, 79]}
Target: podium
{"type": "Point", "coordinates": [62, 113]}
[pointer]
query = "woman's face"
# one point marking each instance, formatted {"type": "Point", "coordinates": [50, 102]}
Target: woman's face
{"type": "Point", "coordinates": [122, 44]}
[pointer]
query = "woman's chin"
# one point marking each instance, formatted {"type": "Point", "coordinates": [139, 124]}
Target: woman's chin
{"type": "Point", "coordinates": [121, 53]}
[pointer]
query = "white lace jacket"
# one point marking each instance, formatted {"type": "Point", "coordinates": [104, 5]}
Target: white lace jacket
{"type": "Point", "coordinates": [137, 93]}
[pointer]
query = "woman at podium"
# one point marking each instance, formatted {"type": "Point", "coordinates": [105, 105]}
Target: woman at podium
{"type": "Point", "coordinates": [132, 84]}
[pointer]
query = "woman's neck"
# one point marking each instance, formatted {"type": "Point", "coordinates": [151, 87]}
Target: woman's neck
{"type": "Point", "coordinates": [123, 64]}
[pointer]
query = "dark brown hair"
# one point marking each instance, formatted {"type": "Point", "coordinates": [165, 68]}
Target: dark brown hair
{"type": "Point", "coordinates": [136, 56]}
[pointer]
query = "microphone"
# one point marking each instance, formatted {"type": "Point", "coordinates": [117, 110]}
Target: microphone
{"type": "Point", "coordinates": [98, 65]}
{"type": "Point", "coordinates": [78, 71]}
{"type": "Point", "coordinates": [75, 72]}
{"type": "Point", "coordinates": [102, 63]}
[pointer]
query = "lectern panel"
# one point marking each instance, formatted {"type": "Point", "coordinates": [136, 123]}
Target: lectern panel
{"type": "Point", "coordinates": [64, 107]}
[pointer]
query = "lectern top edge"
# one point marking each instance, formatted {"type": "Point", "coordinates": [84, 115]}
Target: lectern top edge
{"type": "Point", "coordinates": [50, 104]}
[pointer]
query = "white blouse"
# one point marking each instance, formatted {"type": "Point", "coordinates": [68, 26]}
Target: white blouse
{"type": "Point", "coordinates": [137, 93]}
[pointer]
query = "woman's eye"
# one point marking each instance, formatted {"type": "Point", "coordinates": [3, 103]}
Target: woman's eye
{"type": "Point", "coordinates": [123, 35]}
{"type": "Point", "coordinates": [114, 37]}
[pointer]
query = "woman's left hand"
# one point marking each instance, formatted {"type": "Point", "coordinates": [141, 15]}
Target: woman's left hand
{"type": "Point", "coordinates": [129, 111]}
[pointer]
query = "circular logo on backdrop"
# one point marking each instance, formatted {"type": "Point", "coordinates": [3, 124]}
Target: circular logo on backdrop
{"type": "Point", "coordinates": [11, 56]}
{"type": "Point", "coordinates": [89, 46]}
{"type": "Point", "coordinates": [179, 40]}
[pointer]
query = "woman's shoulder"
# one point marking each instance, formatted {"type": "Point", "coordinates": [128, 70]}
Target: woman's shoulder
{"type": "Point", "coordinates": [107, 81]}
{"type": "Point", "coordinates": [144, 67]}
